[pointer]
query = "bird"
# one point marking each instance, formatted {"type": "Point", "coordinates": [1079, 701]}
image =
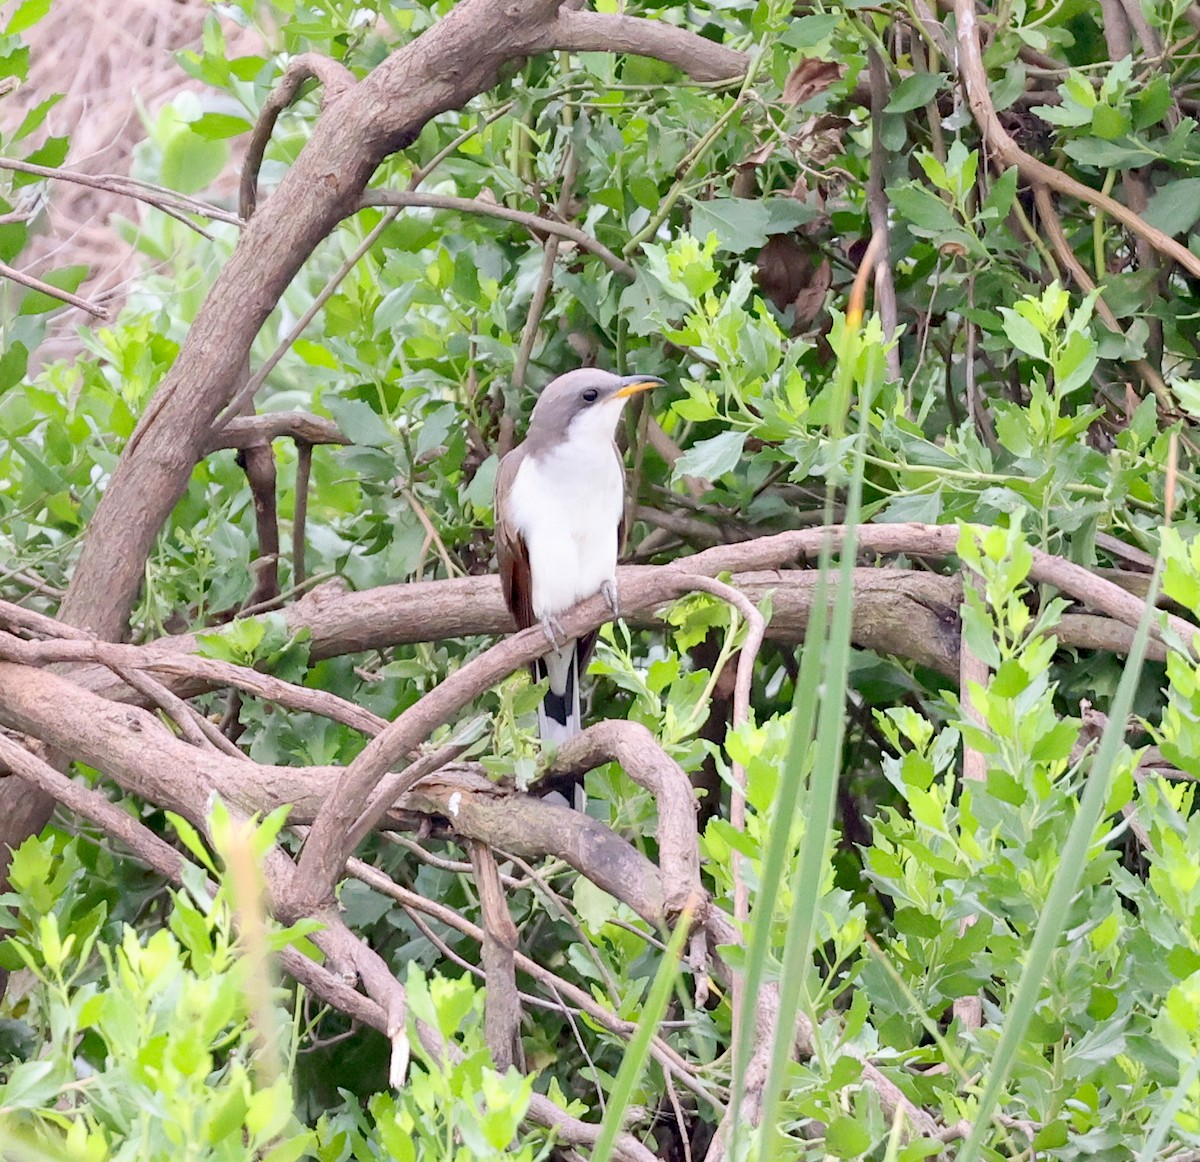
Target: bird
{"type": "Point", "coordinates": [559, 513]}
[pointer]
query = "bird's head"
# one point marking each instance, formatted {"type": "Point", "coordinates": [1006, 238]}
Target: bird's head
{"type": "Point", "coordinates": [587, 401]}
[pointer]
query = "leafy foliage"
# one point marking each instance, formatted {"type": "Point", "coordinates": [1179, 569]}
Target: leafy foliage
{"type": "Point", "coordinates": [1022, 412]}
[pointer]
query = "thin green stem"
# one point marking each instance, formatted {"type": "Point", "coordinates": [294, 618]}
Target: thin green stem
{"type": "Point", "coordinates": [696, 153]}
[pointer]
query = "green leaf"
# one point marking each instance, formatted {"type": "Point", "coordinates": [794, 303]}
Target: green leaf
{"type": "Point", "coordinates": [845, 1138]}
{"type": "Point", "coordinates": [34, 118]}
{"type": "Point", "coordinates": [923, 208]}
{"type": "Point", "coordinates": [1175, 206]}
{"type": "Point", "coordinates": [810, 31]}
{"type": "Point", "coordinates": [1108, 154]}
{"type": "Point", "coordinates": [1109, 123]}
{"type": "Point", "coordinates": [1187, 395]}
{"type": "Point", "coordinates": [30, 1084]}
{"type": "Point", "coordinates": [1152, 103]}
{"type": "Point", "coordinates": [712, 458]}
{"type": "Point", "coordinates": [26, 16]}
{"type": "Point", "coordinates": [358, 421]}
{"type": "Point", "coordinates": [189, 162]}
{"type": "Point", "coordinates": [915, 91]}
{"type": "Point", "coordinates": [215, 126]}
{"type": "Point", "coordinates": [51, 154]}
{"type": "Point", "coordinates": [66, 278]}
{"type": "Point", "coordinates": [1022, 334]}
{"type": "Point", "coordinates": [740, 224]}
{"type": "Point", "coordinates": [14, 360]}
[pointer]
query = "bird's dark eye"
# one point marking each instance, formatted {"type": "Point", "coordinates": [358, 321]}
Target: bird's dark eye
{"type": "Point", "coordinates": [591, 395]}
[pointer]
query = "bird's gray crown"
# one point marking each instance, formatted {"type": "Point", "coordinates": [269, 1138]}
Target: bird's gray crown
{"type": "Point", "coordinates": [575, 392]}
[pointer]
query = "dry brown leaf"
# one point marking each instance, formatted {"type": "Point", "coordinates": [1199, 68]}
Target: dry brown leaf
{"type": "Point", "coordinates": [759, 155]}
{"type": "Point", "coordinates": [810, 77]}
{"type": "Point", "coordinates": [810, 301]}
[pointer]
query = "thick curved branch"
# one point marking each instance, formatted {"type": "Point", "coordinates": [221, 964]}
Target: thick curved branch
{"type": "Point", "coordinates": [210, 672]}
{"type": "Point", "coordinates": [637, 751]}
{"type": "Point", "coordinates": [905, 613]}
{"type": "Point", "coordinates": [901, 612]}
{"type": "Point", "coordinates": [583, 31]}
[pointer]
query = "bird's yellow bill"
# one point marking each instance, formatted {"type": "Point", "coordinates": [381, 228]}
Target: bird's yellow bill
{"type": "Point", "coordinates": [634, 388]}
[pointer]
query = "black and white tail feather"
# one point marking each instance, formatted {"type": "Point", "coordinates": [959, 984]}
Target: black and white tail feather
{"type": "Point", "coordinates": [559, 717]}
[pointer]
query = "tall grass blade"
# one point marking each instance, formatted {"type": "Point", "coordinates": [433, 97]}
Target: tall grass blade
{"type": "Point", "coordinates": [638, 1053]}
{"type": "Point", "coordinates": [832, 665]}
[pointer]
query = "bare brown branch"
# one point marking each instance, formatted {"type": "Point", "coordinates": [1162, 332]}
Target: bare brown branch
{"type": "Point", "coordinates": [299, 426]}
{"type": "Point", "coordinates": [502, 1015]}
{"type": "Point", "coordinates": [1006, 152]}
{"type": "Point", "coordinates": [33, 283]}
{"type": "Point", "coordinates": [309, 66]}
{"type": "Point", "coordinates": [534, 223]}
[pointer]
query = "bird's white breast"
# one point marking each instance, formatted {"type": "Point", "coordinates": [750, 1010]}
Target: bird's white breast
{"type": "Point", "coordinates": [567, 504]}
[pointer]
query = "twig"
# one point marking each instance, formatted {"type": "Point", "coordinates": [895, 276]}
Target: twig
{"type": "Point", "coordinates": [157, 196]}
{"type": "Point", "coordinates": [422, 172]}
{"type": "Point", "coordinates": [207, 671]}
{"type": "Point", "coordinates": [561, 909]}
{"type": "Point", "coordinates": [246, 392]}
{"type": "Point", "coordinates": [877, 207]}
{"type": "Point", "coordinates": [336, 79]}
{"type": "Point", "coordinates": [1062, 247]}
{"type": "Point", "coordinates": [300, 511]}
{"type": "Point", "coordinates": [533, 317]}
{"type": "Point", "coordinates": [299, 426]}
{"type": "Point", "coordinates": [976, 408]}
{"type": "Point", "coordinates": [1007, 153]}
{"type": "Point", "coordinates": [54, 292]}
{"type": "Point", "coordinates": [258, 462]}
{"type": "Point", "coordinates": [663, 1053]}
{"type": "Point", "coordinates": [502, 1011]}
{"type": "Point", "coordinates": [456, 866]}
{"type": "Point", "coordinates": [418, 510]}
{"type": "Point", "coordinates": [535, 223]}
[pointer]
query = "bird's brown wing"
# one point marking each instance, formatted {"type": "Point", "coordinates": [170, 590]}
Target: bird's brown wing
{"type": "Point", "coordinates": [512, 554]}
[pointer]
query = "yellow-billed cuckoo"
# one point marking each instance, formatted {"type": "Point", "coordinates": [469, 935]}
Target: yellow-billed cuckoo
{"type": "Point", "coordinates": [560, 505]}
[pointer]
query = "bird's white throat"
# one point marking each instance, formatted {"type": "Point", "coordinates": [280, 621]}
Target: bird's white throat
{"type": "Point", "coordinates": [567, 502]}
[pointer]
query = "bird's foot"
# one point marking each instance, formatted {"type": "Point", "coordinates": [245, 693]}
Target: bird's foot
{"type": "Point", "coordinates": [555, 634]}
{"type": "Point", "coordinates": [609, 591]}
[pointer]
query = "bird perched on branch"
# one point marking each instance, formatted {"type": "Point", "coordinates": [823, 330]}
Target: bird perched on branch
{"type": "Point", "coordinates": [560, 505]}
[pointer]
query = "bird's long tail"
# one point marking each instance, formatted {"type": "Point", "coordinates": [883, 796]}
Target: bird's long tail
{"type": "Point", "coordinates": [558, 716]}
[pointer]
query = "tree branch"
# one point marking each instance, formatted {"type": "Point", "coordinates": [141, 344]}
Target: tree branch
{"type": "Point", "coordinates": [1007, 153]}
{"type": "Point", "coordinates": [37, 284]}
{"type": "Point", "coordinates": [534, 223]}
{"type": "Point", "coordinates": [582, 31]}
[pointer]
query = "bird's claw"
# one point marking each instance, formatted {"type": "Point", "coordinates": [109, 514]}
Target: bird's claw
{"type": "Point", "coordinates": [609, 591]}
{"type": "Point", "coordinates": [555, 634]}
